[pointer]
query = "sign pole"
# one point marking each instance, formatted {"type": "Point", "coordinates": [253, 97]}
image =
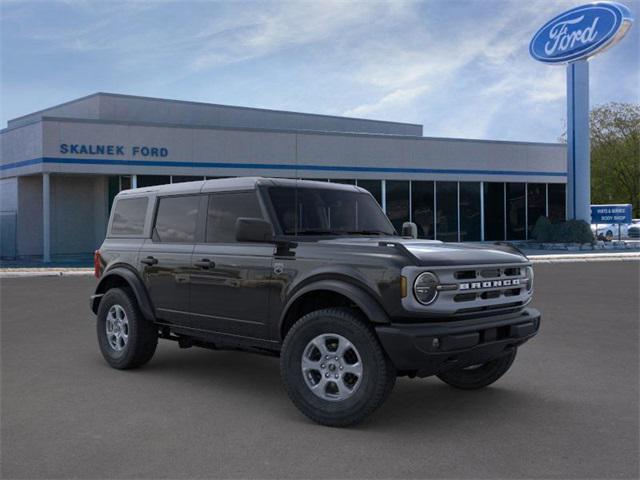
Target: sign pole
{"type": "Point", "coordinates": [578, 143]}
{"type": "Point", "coordinates": [571, 38]}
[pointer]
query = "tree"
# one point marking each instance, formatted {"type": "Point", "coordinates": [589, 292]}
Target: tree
{"type": "Point", "coordinates": [615, 154]}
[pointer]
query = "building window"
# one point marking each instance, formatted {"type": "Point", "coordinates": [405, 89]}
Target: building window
{"type": "Point", "coordinates": [536, 203]}
{"type": "Point", "coordinates": [374, 187]}
{"type": "Point", "coordinates": [447, 211]}
{"type": "Point", "coordinates": [398, 202]}
{"type": "Point", "coordinates": [422, 208]}
{"type": "Point", "coordinates": [516, 211]}
{"type": "Point", "coordinates": [557, 202]}
{"type": "Point", "coordinates": [176, 219]}
{"type": "Point", "coordinates": [224, 209]}
{"type": "Point", "coordinates": [125, 182]}
{"type": "Point", "coordinates": [152, 180]}
{"type": "Point", "coordinates": [469, 211]}
{"type": "Point", "coordinates": [113, 189]}
{"type": "Point", "coordinates": [494, 211]}
{"type": "Point", "coordinates": [345, 181]}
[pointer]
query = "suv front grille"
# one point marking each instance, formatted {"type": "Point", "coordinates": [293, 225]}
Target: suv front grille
{"type": "Point", "coordinates": [467, 290]}
{"type": "Point", "coordinates": [493, 277]}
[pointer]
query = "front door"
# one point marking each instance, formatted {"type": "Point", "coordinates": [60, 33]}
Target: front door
{"type": "Point", "coordinates": [231, 281]}
{"type": "Point", "coordinates": [165, 259]}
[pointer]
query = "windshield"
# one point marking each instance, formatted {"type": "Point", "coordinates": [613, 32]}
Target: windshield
{"type": "Point", "coordinates": [319, 211]}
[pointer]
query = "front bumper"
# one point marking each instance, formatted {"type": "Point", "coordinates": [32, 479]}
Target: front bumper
{"type": "Point", "coordinates": [430, 348]}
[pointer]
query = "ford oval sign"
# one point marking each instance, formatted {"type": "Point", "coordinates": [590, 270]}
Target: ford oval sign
{"type": "Point", "coordinates": [581, 32]}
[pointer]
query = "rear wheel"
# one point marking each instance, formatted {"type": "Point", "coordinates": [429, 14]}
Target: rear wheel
{"type": "Point", "coordinates": [479, 376]}
{"type": "Point", "coordinates": [126, 338]}
{"type": "Point", "coordinates": [334, 368]}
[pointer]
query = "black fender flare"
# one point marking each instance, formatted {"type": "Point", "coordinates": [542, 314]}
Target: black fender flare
{"type": "Point", "coordinates": [133, 281]}
{"type": "Point", "coordinates": [364, 300]}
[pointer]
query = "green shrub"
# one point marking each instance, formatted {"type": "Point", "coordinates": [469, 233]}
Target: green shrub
{"type": "Point", "coordinates": [571, 231]}
{"type": "Point", "coordinates": [543, 230]}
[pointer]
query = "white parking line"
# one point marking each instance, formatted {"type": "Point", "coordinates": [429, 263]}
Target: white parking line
{"type": "Point", "coordinates": [586, 257]}
{"type": "Point", "coordinates": [44, 272]}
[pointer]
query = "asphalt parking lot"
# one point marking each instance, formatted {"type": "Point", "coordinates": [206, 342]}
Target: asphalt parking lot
{"type": "Point", "coordinates": [567, 409]}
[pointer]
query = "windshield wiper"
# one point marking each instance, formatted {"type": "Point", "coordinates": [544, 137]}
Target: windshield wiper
{"type": "Point", "coordinates": [312, 231]}
{"type": "Point", "coordinates": [368, 232]}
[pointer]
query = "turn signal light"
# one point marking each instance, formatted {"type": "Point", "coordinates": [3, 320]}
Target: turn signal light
{"type": "Point", "coordinates": [97, 264]}
{"type": "Point", "coordinates": [403, 287]}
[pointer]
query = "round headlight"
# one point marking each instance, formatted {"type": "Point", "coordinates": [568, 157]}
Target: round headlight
{"type": "Point", "coordinates": [425, 288]}
{"type": "Point", "coordinates": [529, 274]}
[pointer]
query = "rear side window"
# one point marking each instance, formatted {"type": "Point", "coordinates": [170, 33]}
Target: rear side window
{"type": "Point", "coordinates": [224, 210]}
{"type": "Point", "coordinates": [129, 215]}
{"type": "Point", "coordinates": [176, 219]}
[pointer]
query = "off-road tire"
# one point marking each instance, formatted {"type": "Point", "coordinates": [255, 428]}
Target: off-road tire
{"type": "Point", "coordinates": [142, 334]}
{"type": "Point", "coordinates": [479, 377]}
{"type": "Point", "coordinates": [378, 376]}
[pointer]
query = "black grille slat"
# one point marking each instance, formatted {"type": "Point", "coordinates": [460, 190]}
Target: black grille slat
{"type": "Point", "coordinates": [464, 297]}
{"type": "Point", "coordinates": [490, 273]}
{"type": "Point", "coordinates": [512, 292]}
{"type": "Point", "coordinates": [465, 275]}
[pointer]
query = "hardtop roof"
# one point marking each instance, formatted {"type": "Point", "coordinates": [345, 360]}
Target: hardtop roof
{"type": "Point", "coordinates": [233, 184]}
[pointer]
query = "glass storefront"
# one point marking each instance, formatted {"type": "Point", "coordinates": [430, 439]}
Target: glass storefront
{"type": "Point", "coordinates": [152, 180]}
{"type": "Point", "coordinates": [516, 211]}
{"type": "Point", "coordinates": [470, 212]}
{"type": "Point", "coordinates": [557, 201]}
{"type": "Point", "coordinates": [536, 204]}
{"type": "Point", "coordinates": [374, 187]}
{"type": "Point", "coordinates": [422, 212]}
{"type": "Point", "coordinates": [398, 202]}
{"type": "Point", "coordinates": [447, 211]}
{"type": "Point", "coordinates": [494, 226]}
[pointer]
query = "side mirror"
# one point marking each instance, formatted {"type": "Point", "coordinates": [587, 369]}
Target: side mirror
{"type": "Point", "coordinates": [254, 230]}
{"type": "Point", "coordinates": [409, 229]}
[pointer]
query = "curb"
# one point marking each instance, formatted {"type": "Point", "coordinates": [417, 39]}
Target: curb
{"type": "Point", "coordinates": [586, 257]}
{"type": "Point", "coordinates": [45, 272]}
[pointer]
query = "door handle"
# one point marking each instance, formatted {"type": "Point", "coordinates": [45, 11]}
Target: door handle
{"type": "Point", "coordinates": [149, 261]}
{"type": "Point", "coordinates": [204, 263]}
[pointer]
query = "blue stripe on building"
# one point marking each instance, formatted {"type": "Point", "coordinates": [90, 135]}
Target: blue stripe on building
{"type": "Point", "coordinates": [272, 166]}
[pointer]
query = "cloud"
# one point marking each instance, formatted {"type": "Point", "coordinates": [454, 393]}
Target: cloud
{"type": "Point", "coordinates": [458, 67]}
{"type": "Point", "coordinates": [281, 26]}
{"type": "Point", "coordinates": [397, 98]}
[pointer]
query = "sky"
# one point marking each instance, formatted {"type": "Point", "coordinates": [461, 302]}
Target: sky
{"type": "Point", "coordinates": [460, 68]}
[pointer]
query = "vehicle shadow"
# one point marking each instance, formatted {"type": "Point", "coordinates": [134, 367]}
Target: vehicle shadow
{"type": "Point", "coordinates": [413, 404]}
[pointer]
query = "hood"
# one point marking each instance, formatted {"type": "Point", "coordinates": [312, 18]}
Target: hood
{"type": "Point", "coordinates": [435, 253]}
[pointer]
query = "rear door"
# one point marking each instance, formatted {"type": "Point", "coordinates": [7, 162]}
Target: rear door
{"type": "Point", "coordinates": [231, 281]}
{"type": "Point", "coordinates": [166, 257]}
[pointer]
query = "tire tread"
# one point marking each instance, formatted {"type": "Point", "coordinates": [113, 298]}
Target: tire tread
{"type": "Point", "coordinates": [382, 389]}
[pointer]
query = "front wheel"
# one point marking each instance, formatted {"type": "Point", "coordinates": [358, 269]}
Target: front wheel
{"type": "Point", "coordinates": [479, 376]}
{"type": "Point", "coordinates": [334, 368]}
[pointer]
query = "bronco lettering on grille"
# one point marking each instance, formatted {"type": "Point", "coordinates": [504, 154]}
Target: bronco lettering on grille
{"type": "Point", "coordinates": [489, 284]}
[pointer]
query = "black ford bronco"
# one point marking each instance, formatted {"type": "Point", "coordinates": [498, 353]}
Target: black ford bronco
{"type": "Point", "coordinates": [313, 272]}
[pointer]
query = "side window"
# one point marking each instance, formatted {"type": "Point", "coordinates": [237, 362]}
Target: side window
{"type": "Point", "coordinates": [129, 215]}
{"type": "Point", "coordinates": [224, 210]}
{"type": "Point", "coordinates": [176, 219]}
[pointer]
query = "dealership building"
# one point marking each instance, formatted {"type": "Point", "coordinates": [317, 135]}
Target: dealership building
{"type": "Point", "coordinates": [61, 167]}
